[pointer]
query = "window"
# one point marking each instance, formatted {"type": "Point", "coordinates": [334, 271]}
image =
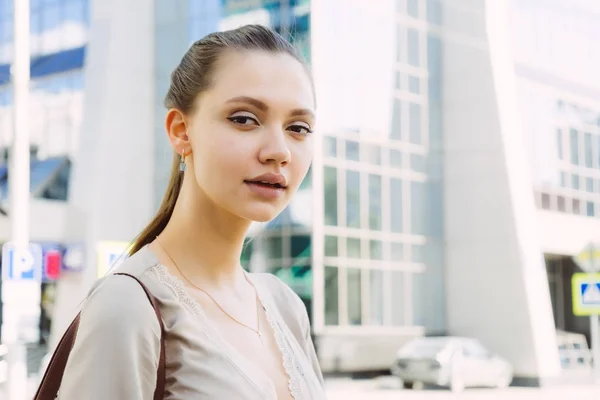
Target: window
{"type": "Point", "coordinates": [376, 250]}
{"type": "Point", "coordinates": [413, 8]}
{"type": "Point", "coordinates": [414, 120]}
{"type": "Point", "coordinates": [330, 146]}
{"type": "Point", "coordinates": [560, 203]}
{"type": "Point", "coordinates": [413, 47]}
{"type": "Point", "coordinates": [559, 145]}
{"type": "Point", "coordinates": [397, 306]}
{"type": "Point", "coordinates": [563, 179]}
{"type": "Point", "coordinates": [75, 10]}
{"type": "Point", "coordinates": [590, 209]}
{"type": "Point", "coordinates": [353, 199]}
{"type": "Point", "coordinates": [376, 301]}
{"type": "Point", "coordinates": [418, 253]}
{"type": "Point", "coordinates": [372, 154]}
{"type": "Point", "coordinates": [353, 248]}
{"type": "Point", "coordinates": [396, 204]}
{"type": "Point", "coordinates": [397, 251]}
{"type": "Point", "coordinates": [574, 143]}
{"type": "Point", "coordinates": [375, 207]}
{"type": "Point", "coordinates": [400, 35]}
{"type": "Point", "coordinates": [576, 206]}
{"type": "Point", "coordinates": [417, 162]}
{"type": "Point", "coordinates": [598, 151]}
{"type": "Point", "coordinates": [6, 29]}
{"type": "Point", "coordinates": [575, 181]}
{"type": "Point", "coordinates": [51, 19]}
{"type": "Point", "coordinates": [396, 128]}
{"type": "Point", "coordinates": [354, 296]}
{"type": "Point", "coordinates": [331, 198]}
{"type": "Point", "coordinates": [474, 349]}
{"type": "Point", "coordinates": [331, 296]}
{"type": "Point", "coordinates": [420, 208]}
{"type": "Point", "coordinates": [300, 246]}
{"type": "Point", "coordinates": [545, 201]}
{"type": "Point", "coordinates": [274, 247]}
{"type": "Point", "coordinates": [587, 149]}
{"type": "Point", "coordinates": [589, 185]}
{"type": "Point", "coordinates": [396, 159]}
{"type": "Point", "coordinates": [352, 150]}
{"type": "Point", "coordinates": [331, 246]}
{"type": "Point", "coordinates": [398, 80]}
{"type": "Point", "coordinates": [414, 84]}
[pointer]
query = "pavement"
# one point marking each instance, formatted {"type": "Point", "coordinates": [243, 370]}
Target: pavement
{"type": "Point", "coordinates": [388, 389]}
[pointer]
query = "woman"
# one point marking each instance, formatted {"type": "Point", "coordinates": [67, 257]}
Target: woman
{"type": "Point", "coordinates": [240, 118]}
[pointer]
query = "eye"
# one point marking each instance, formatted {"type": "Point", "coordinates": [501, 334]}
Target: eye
{"type": "Point", "coordinates": [243, 118]}
{"type": "Point", "coordinates": [300, 129]}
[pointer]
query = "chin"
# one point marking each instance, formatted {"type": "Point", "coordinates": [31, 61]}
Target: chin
{"type": "Point", "coordinates": [265, 213]}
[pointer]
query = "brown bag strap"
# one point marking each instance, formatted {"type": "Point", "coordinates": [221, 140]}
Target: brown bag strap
{"type": "Point", "coordinates": [52, 379]}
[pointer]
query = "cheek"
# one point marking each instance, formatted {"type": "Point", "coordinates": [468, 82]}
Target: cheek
{"type": "Point", "coordinates": [301, 160]}
{"type": "Point", "coordinates": [224, 166]}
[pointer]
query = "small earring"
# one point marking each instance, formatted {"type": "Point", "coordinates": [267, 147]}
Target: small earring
{"type": "Point", "coordinates": [182, 165]}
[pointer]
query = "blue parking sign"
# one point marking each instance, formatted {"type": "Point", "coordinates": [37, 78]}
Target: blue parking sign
{"type": "Point", "coordinates": [23, 265]}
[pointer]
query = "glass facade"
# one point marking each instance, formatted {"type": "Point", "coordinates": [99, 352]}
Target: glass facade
{"type": "Point", "coordinates": [58, 38]}
{"type": "Point", "coordinates": [559, 103]}
{"type": "Point", "coordinates": [382, 205]}
{"type": "Point", "coordinates": [564, 151]}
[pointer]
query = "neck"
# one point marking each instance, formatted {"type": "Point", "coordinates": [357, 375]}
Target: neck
{"type": "Point", "coordinates": [205, 241]}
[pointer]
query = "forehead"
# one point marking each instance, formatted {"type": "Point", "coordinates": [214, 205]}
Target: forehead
{"type": "Point", "coordinates": [279, 80]}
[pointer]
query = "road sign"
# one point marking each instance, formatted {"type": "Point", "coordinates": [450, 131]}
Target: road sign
{"type": "Point", "coordinates": [22, 264]}
{"type": "Point", "coordinates": [52, 264]}
{"type": "Point", "coordinates": [588, 259]}
{"type": "Point", "coordinates": [74, 257]}
{"type": "Point", "coordinates": [586, 294]}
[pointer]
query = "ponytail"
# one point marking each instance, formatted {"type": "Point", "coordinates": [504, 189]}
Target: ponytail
{"type": "Point", "coordinates": [165, 210]}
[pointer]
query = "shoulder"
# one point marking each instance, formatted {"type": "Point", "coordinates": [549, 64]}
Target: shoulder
{"type": "Point", "coordinates": [118, 303]}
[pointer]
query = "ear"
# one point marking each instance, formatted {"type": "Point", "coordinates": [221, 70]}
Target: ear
{"type": "Point", "coordinates": [177, 130]}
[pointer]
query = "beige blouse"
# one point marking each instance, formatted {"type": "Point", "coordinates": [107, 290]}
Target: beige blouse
{"type": "Point", "coordinates": [116, 352]}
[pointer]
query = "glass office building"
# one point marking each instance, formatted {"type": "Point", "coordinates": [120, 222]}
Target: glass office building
{"type": "Point", "coordinates": [58, 38]}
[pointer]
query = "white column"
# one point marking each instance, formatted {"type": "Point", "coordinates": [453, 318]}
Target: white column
{"type": "Point", "coordinates": [21, 299]}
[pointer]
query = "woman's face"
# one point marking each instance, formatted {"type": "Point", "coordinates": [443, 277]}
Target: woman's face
{"type": "Point", "coordinates": [250, 133]}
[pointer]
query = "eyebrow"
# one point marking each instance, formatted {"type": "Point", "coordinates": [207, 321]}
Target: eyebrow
{"type": "Point", "coordinates": [262, 106]}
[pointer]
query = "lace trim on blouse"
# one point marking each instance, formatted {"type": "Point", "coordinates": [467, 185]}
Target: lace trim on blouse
{"type": "Point", "coordinates": [289, 364]}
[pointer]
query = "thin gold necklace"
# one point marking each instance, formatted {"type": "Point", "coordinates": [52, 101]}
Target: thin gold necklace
{"type": "Point", "coordinates": [257, 330]}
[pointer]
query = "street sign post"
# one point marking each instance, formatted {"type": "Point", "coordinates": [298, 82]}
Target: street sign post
{"type": "Point", "coordinates": [21, 263]}
{"type": "Point", "coordinates": [586, 295]}
{"type": "Point", "coordinates": [588, 259]}
{"type": "Point", "coordinates": [21, 295]}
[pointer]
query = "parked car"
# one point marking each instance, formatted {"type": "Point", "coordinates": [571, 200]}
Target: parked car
{"type": "Point", "coordinates": [455, 362]}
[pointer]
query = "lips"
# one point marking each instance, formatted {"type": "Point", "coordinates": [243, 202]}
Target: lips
{"type": "Point", "coordinates": [269, 179]}
{"type": "Point", "coordinates": [266, 184]}
{"type": "Point", "coordinates": [265, 190]}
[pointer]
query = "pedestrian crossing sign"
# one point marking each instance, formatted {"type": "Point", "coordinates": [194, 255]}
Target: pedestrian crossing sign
{"type": "Point", "coordinates": [586, 294]}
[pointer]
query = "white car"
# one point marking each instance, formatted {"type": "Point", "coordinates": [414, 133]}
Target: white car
{"type": "Point", "coordinates": [455, 362]}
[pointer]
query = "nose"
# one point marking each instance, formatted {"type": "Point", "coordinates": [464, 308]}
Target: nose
{"type": "Point", "coordinates": [275, 149]}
